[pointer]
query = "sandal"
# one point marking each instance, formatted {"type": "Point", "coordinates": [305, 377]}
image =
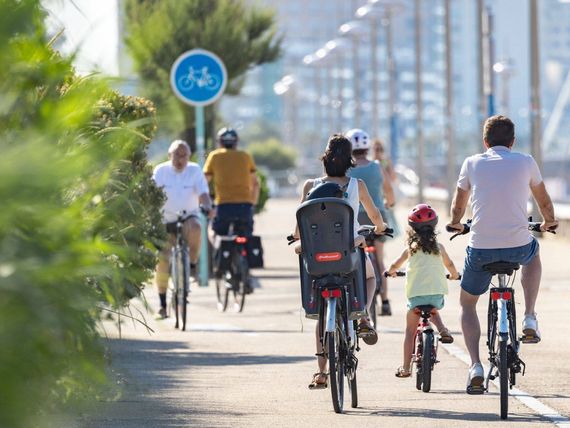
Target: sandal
{"type": "Point", "coordinates": [315, 384]}
{"type": "Point", "coordinates": [402, 372]}
{"type": "Point", "coordinates": [367, 333]}
{"type": "Point", "coordinates": [445, 336]}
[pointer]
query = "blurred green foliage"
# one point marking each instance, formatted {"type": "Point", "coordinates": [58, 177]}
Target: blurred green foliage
{"type": "Point", "coordinates": [243, 36]}
{"type": "Point", "coordinates": [273, 155]}
{"type": "Point", "coordinates": [263, 192]}
{"type": "Point", "coordinates": [78, 220]}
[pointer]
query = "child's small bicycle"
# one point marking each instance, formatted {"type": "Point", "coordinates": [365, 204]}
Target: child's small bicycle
{"type": "Point", "coordinates": [424, 356]}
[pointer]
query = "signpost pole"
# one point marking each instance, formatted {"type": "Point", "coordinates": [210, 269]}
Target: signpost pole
{"type": "Point", "coordinates": [198, 78]}
{"type": "Point", "coordinates": [200, 144]}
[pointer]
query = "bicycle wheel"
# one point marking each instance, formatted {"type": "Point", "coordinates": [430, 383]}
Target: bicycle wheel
{"type": "Point", "coordinates": [427, 365]}
{"type": "Point", "coordinates": [504, 378]}
{"type": "Point", "coordinates": [241, 278]}
{"type": "Point", "coordinates": [183, 302]}
{"type": "Point", "coordinates": [174, 276]}
{"type": "Point", "coordinates": [336, 370]}
{"type": "Point", "coordinates": [222, 293]}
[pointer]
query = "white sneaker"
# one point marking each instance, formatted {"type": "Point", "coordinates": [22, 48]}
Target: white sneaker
{"type": "Point", "coordinates": [530, 329]}
{"type": "Point", "coordinates": [476, 378]}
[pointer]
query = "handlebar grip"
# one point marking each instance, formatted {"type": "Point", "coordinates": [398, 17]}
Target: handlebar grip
{"type": "Point", "coordinates": [290, 239]}
{"type": "Point", "coordinates": [398, 273]}
{"type": "Point", "coordinates": [448, 276]}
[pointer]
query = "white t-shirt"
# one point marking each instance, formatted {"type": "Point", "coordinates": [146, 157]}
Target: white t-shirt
{"type": "Point", "coordinates": [499, 181]}
{"type": "Point", "coordinates": [182, 189]}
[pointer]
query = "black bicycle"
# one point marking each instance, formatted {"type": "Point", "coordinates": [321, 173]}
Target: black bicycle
{"type": "Point", "coordinates": [231, 267]}
{"type": "Point", "coordinates": [502, 339]}
{"type": "Point", "coordinates": [179, 269]}
{"type": "Point", "coordinates": [336, 273]}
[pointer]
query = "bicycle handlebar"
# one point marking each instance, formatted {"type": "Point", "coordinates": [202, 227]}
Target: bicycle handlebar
{"type": "Point", "coordinates": [533, 226]}
{"type": "Point", "coordinates": [402, 273]}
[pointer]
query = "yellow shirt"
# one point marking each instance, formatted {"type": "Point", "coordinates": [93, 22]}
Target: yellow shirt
{"type": "Point", "coordinates": [425, 275]}
{"type": "Point", "coordinates": [231, 174]}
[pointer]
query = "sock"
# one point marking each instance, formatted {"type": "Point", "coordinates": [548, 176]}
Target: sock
{"type": "Point", "coordinates": [193, 265]}
{"type": "Point", "coordinates": [162, 299]}
{"type": "Point", "coordinates": [385, 301]}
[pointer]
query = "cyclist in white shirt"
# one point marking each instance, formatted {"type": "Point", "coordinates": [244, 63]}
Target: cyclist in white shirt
{"type": "Point", "coordinates": [499, 182]}
{"type": "Point", "coordinates": [186, 189]}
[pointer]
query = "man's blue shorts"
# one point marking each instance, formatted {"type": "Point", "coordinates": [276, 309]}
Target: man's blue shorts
{"type": "Point", "coordinates": [475, 280]}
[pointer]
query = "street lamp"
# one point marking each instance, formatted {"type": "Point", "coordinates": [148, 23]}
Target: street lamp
{"type": "Point", "coordinates": [286, 86]}
{"type": "Point", "coordinates": [353, 30]}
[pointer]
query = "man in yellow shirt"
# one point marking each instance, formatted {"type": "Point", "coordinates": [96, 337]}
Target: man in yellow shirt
{"type": "Point", "coordinates": [236, 186]}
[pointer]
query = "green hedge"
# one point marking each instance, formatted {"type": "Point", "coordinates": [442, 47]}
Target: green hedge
{"type": "Point", "coordinates": [78, 218]}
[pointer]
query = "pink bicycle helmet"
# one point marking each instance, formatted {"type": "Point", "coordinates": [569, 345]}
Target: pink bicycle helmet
{"type": "Point", "coordinates": [422, 215]}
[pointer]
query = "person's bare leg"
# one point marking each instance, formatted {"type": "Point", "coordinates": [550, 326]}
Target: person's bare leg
{"type": "Point", "coordinates": [412, 319]}
{"type": "Point", "coordinates": [437, 321]}
{"type": "Point", "coordinates": [380, 262]}
{"type": "Point", "coordinates": [530, 280]}
{"type": "Point", "coordinates": [321, 360]}
{"type": "Point", "coordinates": [470, 324]}
{"type": "Point", "coordinates": [193, 234]}
{"type": "Point", "coordinates": [370, 289]}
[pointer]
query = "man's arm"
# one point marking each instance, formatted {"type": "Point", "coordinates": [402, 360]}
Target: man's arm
{"type": "Point", "coordinates": [545, 206]}
{"type": "Point", "coordinates": [458, 206]}
{"type": "Point", "coordinates": [388, 189]}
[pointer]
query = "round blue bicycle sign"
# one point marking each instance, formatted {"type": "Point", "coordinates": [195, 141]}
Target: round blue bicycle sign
{"type": "Point", "coordinates": [198, 77]}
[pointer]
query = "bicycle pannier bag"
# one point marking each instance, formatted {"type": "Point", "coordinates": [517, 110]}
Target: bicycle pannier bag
{"type": "Point", "coordinates": [309, 296]}
{"type": "Point", "coordinates": [357, 293]}
{"type": "Point", "coordinates": [223, 255]}
{"type": "Point", "coordinates": [254, 252]}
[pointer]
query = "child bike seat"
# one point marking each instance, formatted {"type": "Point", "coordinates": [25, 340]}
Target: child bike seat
{"type": "Point", "coordinates": [501, 268]}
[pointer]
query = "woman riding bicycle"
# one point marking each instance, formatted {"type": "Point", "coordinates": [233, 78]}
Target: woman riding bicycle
{"type": "Point", "coordinates": [371, 172]}
{"type": "Point", "coordinates": [425, 279]}
{"type": "Point", "coordinates": [337, 159]}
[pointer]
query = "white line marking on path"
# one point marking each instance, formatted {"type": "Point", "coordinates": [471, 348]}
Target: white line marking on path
{"type": "Point", "coordinates": [529, 401]}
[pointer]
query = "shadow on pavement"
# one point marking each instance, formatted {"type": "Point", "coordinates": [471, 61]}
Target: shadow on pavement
{"type": "Point", "coordinates": [151, 374]}
{"type": "Point", "coordinates": [446, 415]}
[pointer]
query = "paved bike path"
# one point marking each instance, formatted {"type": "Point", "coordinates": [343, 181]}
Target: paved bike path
{"type": "Point", "coordinates": [252, 369]}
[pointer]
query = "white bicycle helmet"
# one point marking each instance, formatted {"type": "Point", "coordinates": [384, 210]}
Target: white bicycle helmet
{"type": "Point", "coordinates": [358, 138]}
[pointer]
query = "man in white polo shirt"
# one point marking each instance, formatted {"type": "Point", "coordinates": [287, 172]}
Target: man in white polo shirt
{"type": "Point", "coordinates": [500, 182]}
{"type": "Point", "coordinates": [186, 189]}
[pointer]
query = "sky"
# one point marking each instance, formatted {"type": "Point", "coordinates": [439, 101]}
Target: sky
{"type": "Point", "coordinates": [91, 29]}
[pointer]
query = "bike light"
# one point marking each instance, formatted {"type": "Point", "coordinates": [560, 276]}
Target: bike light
{"type": "Point", "coordinates": [370, 249]}
{"type": "Point", "coordinates": [244, 253]}
{"type": "Point", "coordinates": [325, 293]}
{"type": "Point", "coordinates": [495, 295]}
{"type": "Point", "coordinates": [241, 240]}
{"type": "Point", "coordinates": [336, 292]}
{"type": "Point", "coordinates": [507, 295]}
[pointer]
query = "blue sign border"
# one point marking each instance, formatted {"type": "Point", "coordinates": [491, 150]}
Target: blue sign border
{"type": "Point", "coordinates": [184, 98]}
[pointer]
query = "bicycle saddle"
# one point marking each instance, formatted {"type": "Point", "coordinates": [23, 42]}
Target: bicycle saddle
{"type": "Point", "coordinates": [501, 267]}
{"type": "Point", "coordinates": [425, 308]}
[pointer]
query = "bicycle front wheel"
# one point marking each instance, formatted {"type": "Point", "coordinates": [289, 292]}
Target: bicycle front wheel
{"type": "Point", "coordinates": [336, 371]}
{"type": "Point", "coordinates": [504, 379]}
{"type": "Point", "coordinates": [353, 391]}
{"type": "Point", "coordinates": [427, 364]}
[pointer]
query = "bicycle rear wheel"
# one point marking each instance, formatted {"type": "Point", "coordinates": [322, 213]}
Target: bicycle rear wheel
{"type": "Point", "coordinates": [183, 302]}
{"type": "Point", "coordinates": [418, 350]}
{"type": "Point", "coordinates": [336, 370]}
{"type": "Point", "coordinates": [222, 292]}
{"type": "Point", "coordinates": [427, 365]}
{"type": "Point", "coordinates": [175, 267]}
{"type": "Point", "coordinates": [504, 378]}
{"type": "Point", "coordinates": [241, 277]}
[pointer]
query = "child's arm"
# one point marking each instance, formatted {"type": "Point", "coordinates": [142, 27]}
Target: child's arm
{"type": "Point", "coordinates": [396, 264]}
{"type": "Point", "coordinates": [448, 263]}
{"type": "Point", "coordinates": [306, 187]}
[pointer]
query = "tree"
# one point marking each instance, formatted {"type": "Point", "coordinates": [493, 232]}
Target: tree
{"type": "Point", "coordinates": [273, 155]}
{"type": "Point", "coordinates": [160, 30]}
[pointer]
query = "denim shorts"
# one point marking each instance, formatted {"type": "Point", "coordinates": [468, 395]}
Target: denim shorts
{"type": "Point", "coordinates": [476, 280]}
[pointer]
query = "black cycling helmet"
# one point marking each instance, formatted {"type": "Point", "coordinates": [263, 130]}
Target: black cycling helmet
{"type": "Point", "coordinates": [325, 190]}
{"type": "Point", "coordinates": [228, 136]}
